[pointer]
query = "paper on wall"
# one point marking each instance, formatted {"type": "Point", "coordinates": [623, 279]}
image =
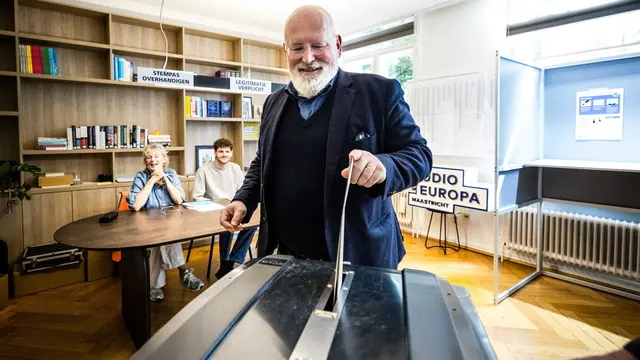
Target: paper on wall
{"type": "Point", "coordinates": [599, 114]}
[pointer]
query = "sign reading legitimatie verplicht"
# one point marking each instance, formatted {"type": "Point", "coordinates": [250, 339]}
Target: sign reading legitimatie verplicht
{"type": "Point", "coordinates": [165, 77]}
{"type": "Point", "coordinates": [447, 188]}
{"type": "Point", "coordinates": [245, 85]}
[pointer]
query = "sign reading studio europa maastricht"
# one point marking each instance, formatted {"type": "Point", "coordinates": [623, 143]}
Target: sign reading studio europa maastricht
{"type": "Point", "coordinates": [448, 188]}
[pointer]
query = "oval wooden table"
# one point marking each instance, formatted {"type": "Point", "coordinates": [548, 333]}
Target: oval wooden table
{"type": "Point", "coordinates": [133, 233]}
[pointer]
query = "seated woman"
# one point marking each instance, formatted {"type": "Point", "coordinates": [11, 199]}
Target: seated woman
{"type": "Point", "coordinates": [157, 186]}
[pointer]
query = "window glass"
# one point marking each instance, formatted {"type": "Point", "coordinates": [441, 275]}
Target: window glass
{"type": "Point", "coordinates": [359, 66]}
{"type": "Point", "coordinates": [581, 41]}
{"type": "Point", "coordinates": [397, 65]}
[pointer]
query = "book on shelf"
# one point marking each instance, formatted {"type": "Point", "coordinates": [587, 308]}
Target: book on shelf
{"type": "Point", "coordinates": [226, 73]}
{"type": "Point", "coordinates": [97, 137]}
{"type": "Point", "coordinates": [196, 106]}
{"type": "Point", "coordinates": [51, 143]}
{"type": "Point", "coordinates": [35, 59]}
{"type": "Point", "coordinates": [123, 70]}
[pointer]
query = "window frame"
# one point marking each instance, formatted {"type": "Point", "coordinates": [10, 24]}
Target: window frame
{"type": "Point", "coordinates": [377, 53]}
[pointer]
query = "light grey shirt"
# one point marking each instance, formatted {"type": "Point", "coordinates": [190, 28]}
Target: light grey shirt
{"type": "Point", "coordinates": [215, 184]}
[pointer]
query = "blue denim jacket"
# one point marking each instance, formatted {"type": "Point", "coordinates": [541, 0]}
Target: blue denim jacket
{"type": "Point", "coordinates": [159, 195]}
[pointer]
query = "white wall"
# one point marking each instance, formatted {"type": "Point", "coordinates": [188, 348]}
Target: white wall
{"type": "Point", "coordinates": [456, 40]}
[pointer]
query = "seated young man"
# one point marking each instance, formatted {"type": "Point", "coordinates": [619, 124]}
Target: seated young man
{"type": "Point", "coordinates": [219, 180]}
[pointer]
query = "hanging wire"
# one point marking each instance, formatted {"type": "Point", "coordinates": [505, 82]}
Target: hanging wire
{"type": "Point", "coordinates": [166, 42]}
{"type": "Point", "coordinates": [248, 74]}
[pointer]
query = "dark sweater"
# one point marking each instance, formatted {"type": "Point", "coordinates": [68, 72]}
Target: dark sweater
{"type": "Point", "coordinates": [294, 190]}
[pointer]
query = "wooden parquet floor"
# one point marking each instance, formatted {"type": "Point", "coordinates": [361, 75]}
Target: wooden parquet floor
{"type": "Point", "coordinates": [549, 319]}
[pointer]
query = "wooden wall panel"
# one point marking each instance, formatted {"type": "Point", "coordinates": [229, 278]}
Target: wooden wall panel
{"type": "Point", "coordinates": [8, 94]}
{"type": "Point", "coordinates": [131, 163]}
{"type": "Point", "coordinates": [77, 26]}
{"type": "Point", "coordinates": [43, 215]}
{"type": "Point", "coordinates": [92, 202]}
{"type": "Point", "coordinates": [143, 37]}
{"type": "Point", "coordinates": [268, 56]}
{"type": "Point", "coordinates": [233, 132]}
{"type": "Point", "coordinates": [250, 149]}
{"type": "Point", "coordinates": [200, 133]}
{"type": "Point", "coordinates": [9, 144]}
{"type": "Point", "coordinates": [11, 230]}
{"type": "Point", "coordinates": [8, 51]}
{"type": "Point", "coordinates": [209, 47]}
{"type": "Point", "coordinates": [56, 106]}
{"type": "Point", "coordinates": [87, 166]}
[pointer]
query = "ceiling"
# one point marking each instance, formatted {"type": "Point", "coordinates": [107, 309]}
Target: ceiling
{"type": "Point", "coordinates": [266, 18]}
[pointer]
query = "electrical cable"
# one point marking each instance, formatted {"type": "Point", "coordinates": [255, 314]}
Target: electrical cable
{"type": "Point", "coordinates": [166, 42]}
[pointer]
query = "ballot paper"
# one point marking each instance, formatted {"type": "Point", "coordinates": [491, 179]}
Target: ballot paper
{"type": "Point", "coordinates": [203, 206]}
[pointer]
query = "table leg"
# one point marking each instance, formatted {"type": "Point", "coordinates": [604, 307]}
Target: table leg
{"type": "Point", "coordinates": [136, 309]}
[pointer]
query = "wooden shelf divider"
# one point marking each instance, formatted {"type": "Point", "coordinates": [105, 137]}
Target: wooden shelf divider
{"type": "Point", "coordinates": [197, 118]}
{"type": "Point", "coordinates": [62, 42]}
{"type": "Point", "coordinates": [267, 69]}
{"type": "Point", "coordinates": [9, 113]}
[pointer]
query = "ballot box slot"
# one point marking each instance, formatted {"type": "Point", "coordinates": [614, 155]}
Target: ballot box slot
{"type": "Point", "coordinates": [244, 310]}
{"type": "Point", "coordinates": [318, 334]}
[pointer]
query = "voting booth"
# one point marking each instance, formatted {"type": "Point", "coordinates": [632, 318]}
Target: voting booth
{"type": "Point", "coordinates": [568, 168]}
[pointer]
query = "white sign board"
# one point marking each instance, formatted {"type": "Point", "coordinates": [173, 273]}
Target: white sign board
{"type": "Point", "coordinates": [165, 77]}
{"type": "Point", "coordinates": [250, 85]}
{"type": "Point", "coordinates": [599, 114]}
{"type": "Point", "coordinates": [448, 188]}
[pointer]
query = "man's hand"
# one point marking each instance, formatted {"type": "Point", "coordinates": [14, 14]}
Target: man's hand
{"type": "Point", "coordinates": [231, 216]}
{"type": "Point", "coordinates": [368, 170]}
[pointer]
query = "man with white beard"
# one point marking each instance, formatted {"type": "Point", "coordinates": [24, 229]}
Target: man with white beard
{"type": "Point", "coordinates": [309, 132]}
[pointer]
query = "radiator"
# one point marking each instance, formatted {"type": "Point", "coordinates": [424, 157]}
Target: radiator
{"type": "Point", "coordinates": [595, 243]}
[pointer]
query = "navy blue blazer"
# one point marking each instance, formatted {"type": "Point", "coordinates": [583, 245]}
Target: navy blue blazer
{"type": "Point", "coordinates": [363, 103]}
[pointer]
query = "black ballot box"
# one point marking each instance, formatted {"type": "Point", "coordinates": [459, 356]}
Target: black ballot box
{"type": "Point", "coordinates": [280, 307]}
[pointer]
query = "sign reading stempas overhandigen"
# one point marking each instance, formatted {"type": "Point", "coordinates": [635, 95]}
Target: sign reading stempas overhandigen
{"type": "Point", "coordinates": [165, 77]}
{"type": "Point", "coordinates": [446, 188]}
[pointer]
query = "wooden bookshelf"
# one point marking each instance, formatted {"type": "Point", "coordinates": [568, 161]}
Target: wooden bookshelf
{"type": "Point", "coordinates": [85, 94]}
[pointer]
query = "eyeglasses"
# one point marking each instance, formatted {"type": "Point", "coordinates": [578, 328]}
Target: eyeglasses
{"type": "Point", "coordinates": [317, 48]}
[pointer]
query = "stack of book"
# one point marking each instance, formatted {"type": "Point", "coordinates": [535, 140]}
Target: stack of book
{"type": "Point", "coordinates": [226, 73]}
{"type": "Point", "coordinates": [36, 59]}
{"type": "Point", "coordinates": [51, 143]}
{"type": "Point", "coordinates": [106, 137]}
{"type": "Point", "coordinates": [122, 69]}
{"type": "Point", "coordinates": [195, 106]}
{"type": "Point", "coordinates": [164, 140]}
